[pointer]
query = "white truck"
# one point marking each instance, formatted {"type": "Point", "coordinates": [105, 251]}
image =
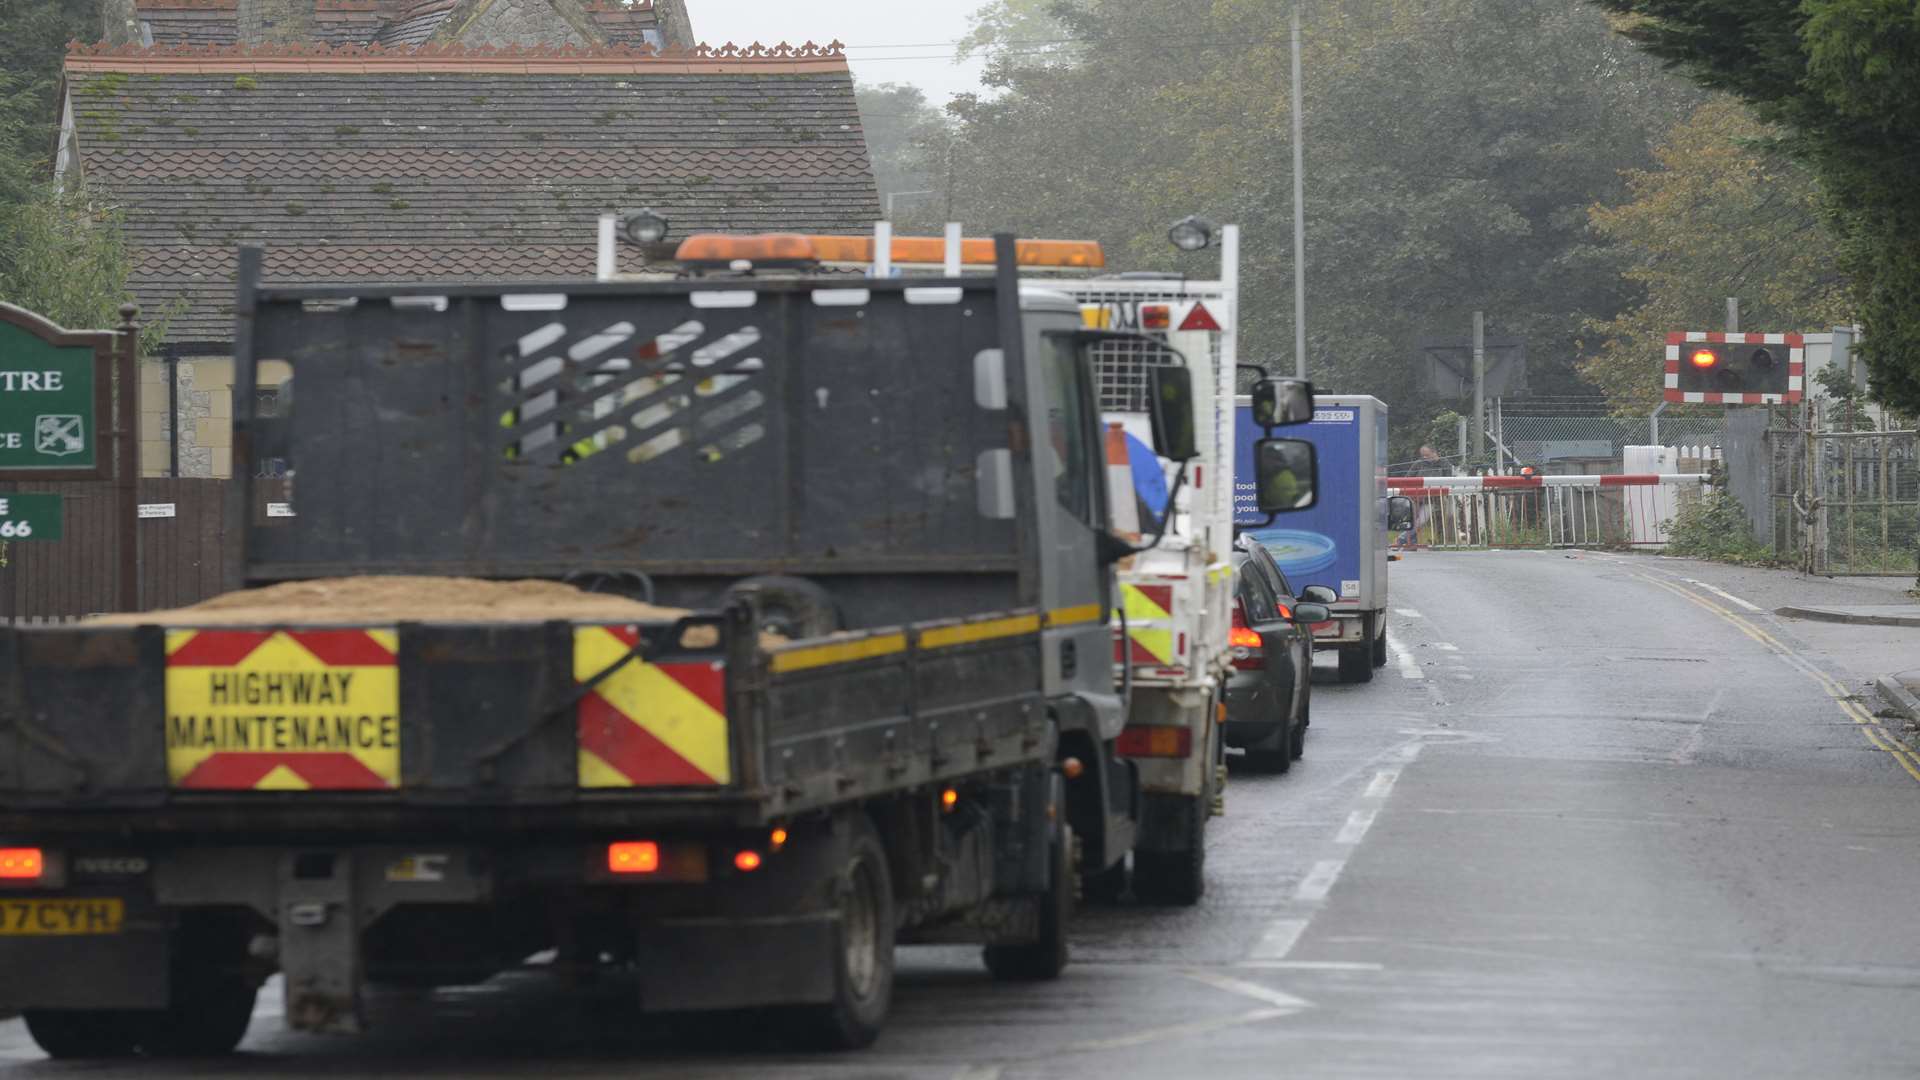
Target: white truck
{"type": "Point", "coordinates": [1171, 641]}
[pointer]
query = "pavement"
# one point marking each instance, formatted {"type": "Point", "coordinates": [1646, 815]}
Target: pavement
{"type": "Point", "coordinates": [1601, 815]}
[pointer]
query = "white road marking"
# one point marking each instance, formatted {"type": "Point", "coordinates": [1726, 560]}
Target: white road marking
{"type": "Point", "coordinates": [1444, 647]}
{"type": "Point", "coordinates": [980, 1072]}
{"type": "Point", "coordinates": [1178, 1031]}
{"type": "Point", "coordinates": [1314, 965]}
{"type": "Point", "coordinates": [1403, 657]}
{"type": "Point", "coordinates": [1355, 830]}
{"type": "Point", "coordinates": [1411, 751]}
{"type": "Point", "coordinates": [1279, 940]}
{"type": "Point", "coordinates": [1462, 676]}
{"type": "Point", "coordinates": [1319, 881]}
{"type": "Point", "coordinates": [1382, 784]}
{"type": "Point", "coordinates": [1406, 613]}
{"type": "Point", "coordinates": [1277, 998]}
{"type": "Point", "coordinates": [1724, 595]}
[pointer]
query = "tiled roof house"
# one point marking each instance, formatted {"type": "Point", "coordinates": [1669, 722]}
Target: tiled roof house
{"type": "Point", "coordinates": [444, 162]}
{"type": "Point", "coordinates": [401, 23]}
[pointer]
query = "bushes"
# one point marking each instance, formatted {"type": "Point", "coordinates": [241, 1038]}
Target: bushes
{"type": "Point", "coordinates": [1715, 526]}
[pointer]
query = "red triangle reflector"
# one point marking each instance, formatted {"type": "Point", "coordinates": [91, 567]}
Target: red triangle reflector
{"type": "Point", "coordinates": [1200, 319]}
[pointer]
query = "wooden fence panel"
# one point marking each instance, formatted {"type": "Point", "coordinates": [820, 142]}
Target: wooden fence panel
{"type": "Point", "coordinates": [181, 557]}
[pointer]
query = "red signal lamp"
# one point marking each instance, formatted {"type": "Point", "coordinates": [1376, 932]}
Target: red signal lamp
{"type": "Point", "coordinates": [1705, 358]}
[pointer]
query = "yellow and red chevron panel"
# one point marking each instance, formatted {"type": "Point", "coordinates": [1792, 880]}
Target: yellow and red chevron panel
{"type": "Point", "coordinates": [649, 725]}
{"type": "Point", "coordinates": [1149, 634]}
{"type": "Point", "coordinates": [283, 710]}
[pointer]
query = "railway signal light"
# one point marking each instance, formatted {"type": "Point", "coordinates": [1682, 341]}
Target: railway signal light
{"type": "Point", "coordinates": [1735, 369]}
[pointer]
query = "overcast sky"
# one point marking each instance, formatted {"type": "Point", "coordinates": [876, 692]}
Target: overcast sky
{"type": "Point", "coordinates": [874, 31]}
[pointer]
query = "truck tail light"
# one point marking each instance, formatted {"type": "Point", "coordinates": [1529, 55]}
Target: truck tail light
{"type": "Point", "coordinates": [633, 857]}
{"type": "Point", "coordinates": [1145, 741]}
{"type": "Point", "coordinates": [1156, 317]}
{"type": "Point", "coordinates": [747, 861]}
{"type": "Point", "coordinates": [22, 864]}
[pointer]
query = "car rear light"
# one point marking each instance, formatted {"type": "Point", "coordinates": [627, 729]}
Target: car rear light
{"type": "Point", "coordinates": [1147, 741]}
{"type": "Point", "coordinates": [633, 857]}
{"type": "Point", "coordinates": [747, 861]}
{"type": "Point", "coordinates": [1244, 644]}
{"type": "Point", "coordinates": [22, 864]}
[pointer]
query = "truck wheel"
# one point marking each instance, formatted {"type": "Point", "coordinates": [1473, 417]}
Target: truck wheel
{"type": "Point", "coordinates": [1046, 958]}
{"type": "Point", "coordinates": [208, 1020]}
{"type": "Point", "coordinates": [70, 1034]}
{"type": "Point", "coordinates": [863, 967]}
{"type": "Point", "coordinates": [1356, 664]}
{"type": "Point", "coordinates": [1380, 649]}
{"type": "Point", "coordinates": [1175, 878]}
{"type": "Point", "coordinates": [1104, 886]}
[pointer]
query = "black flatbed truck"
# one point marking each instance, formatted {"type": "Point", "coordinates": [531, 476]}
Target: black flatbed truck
{"type": "Point", "coordinates": [903, 475]}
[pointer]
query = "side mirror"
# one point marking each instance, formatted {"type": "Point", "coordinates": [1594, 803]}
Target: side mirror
{"type": "Point", "coordinates": [1171, 390]}
{"type": "Point", "coordinates": [1111, 549]}
{"type": "Point", "coordinates": [1319, 594]}
{"type": "Point", "coordinates": [1279, 402]}
{"type": "Point", "coordinates": [1399, 513]}
{"type": "Point", "coordinates": [1308, 614]}
{"type": "Point", "coordinates": [1287, 474]}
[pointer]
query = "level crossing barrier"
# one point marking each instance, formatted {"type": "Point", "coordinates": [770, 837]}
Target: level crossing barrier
{"type": "Point", "coordinates": [1623, 511]}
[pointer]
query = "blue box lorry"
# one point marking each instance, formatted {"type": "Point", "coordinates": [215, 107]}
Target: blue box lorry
{"type": "Point", "coordinates": [1341, 543]}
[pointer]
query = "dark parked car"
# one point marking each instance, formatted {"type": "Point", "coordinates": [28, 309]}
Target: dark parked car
{"type": "Point", "coordinates": [1270, 693]}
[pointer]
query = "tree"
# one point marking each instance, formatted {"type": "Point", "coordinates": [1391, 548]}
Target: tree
{"type": "Point", "coordinates": [1725, 214]}
{"type": "Point", "coordinates": [1842, 79]}
{"type": "Point", "coordinates": [64, 256]}
{"type": "Point", "coordinates": [1453, 148]}
{"type": "Point", "coordinates": [31, 48]}
{"type": "Point", "coordinates": [906, 138]}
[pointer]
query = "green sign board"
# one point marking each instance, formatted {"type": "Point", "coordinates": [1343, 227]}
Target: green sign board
{"type": "Point", "coordinates": [29, 517]}
{"type": "Point", "coordinates": [48, 404]}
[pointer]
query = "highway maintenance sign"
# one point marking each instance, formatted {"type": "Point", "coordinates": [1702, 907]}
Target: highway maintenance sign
{"type": "Point", "coordinates": [283, 710]}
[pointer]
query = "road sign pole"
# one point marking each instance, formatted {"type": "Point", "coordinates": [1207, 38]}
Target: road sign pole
{"type": "Point", "coordinates": [1479, 384]}
{"type": "Point", "coordinates": [126, 374]}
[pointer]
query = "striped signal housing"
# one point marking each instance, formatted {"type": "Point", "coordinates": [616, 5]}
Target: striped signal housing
{"type": "Point", "coordinates": [652, 725]}
{"type": "Point", "coordinates": [1796, 345]}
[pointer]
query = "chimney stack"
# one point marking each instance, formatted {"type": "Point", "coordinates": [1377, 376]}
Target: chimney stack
{"type": "Point", "coordinates": [276, 22]}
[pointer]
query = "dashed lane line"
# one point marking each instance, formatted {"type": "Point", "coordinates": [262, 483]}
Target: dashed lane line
{"type": "Point", "coordinates": [1219, 980]}
{"type": "Point", "coordinates": [1445, 647]}
{"type": "Point", "coordinates": [1403, 658]}
{"type": "Point", "coordinates": [1319, 881]}
{"type": "Point", "coordinates": [1382, 784]}
{"type": "Point", "coordinates": [1407, 613]}
{"type": "Point", "coordinates": [1279, 940]}
{"type": "Point", "coordinates": [1355, 830]}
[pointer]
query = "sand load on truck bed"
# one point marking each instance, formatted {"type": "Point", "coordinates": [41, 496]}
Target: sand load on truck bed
{"type": "Point", "coordinates": [362, 600]}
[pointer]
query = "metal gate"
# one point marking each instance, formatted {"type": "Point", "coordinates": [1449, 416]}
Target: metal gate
{"type": "Point", "coordinates": [1547, 512]}
{"type": "Point", "coordinates": [1845, 502]}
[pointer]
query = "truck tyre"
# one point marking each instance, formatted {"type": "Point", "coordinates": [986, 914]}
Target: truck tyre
{"type": "Point", "coordinates": [1104, 886]}
{"type": "Point", "coordinates": [793, 607]}
{"type": "Point", "coordinates": [1176, 878]}
{"type": "Point", "coordinates": [207, 1019]}
{"type": "Point", "coordinates": [1356, 664]}
{"type": "Point", "coordinates": [1046, 957]}
{"type": "Point", "coordinates": [1380, 649]}
{"type": "Point", "coordinates": [71, 1034]}
{"type": "Point", "coordinates": [863, 960]}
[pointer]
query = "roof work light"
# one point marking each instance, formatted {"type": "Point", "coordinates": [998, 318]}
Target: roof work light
{"type": "Point", "coordinates": [644, 226]}
{"type": "Point", "coordinates": [1193, 233]}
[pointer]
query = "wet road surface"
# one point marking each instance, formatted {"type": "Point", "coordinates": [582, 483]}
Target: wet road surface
{"type": "Point", "coordinates": [1592, 819]}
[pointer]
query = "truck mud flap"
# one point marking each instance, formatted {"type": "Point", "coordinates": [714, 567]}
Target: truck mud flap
{"type": "Point", "coordinates": [691, 965]}
{"type": "Point", "coordinates": [125, 969]}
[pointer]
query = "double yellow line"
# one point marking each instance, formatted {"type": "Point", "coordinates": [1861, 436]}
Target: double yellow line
{"type": "Point", "coordinates": [1869, 725]}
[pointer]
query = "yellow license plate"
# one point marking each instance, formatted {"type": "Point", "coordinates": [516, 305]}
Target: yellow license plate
{"type": "Point", "coordinates": [60, 918]}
